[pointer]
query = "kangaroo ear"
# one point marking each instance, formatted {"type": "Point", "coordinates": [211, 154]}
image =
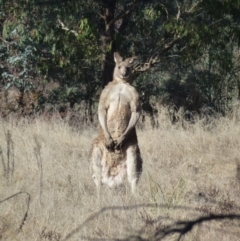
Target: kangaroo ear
{"type": "Point", "coordinates": [117, 58]}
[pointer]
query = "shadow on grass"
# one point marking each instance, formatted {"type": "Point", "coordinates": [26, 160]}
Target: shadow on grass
{"type": "Point", "coordinates": [179, 228]}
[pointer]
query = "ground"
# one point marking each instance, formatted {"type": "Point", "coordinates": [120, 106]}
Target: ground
{"type": "Point", "coordinates": [189, 188]}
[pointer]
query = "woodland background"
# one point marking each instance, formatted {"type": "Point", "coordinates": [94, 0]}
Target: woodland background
{"type": "Point", "coordinates": [57, 55]}
{"type": "Point", "coordinates": [55, 58]}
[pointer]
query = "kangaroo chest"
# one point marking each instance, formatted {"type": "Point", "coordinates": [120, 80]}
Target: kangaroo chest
{"type": "Point", "coordinates": [119, 111]}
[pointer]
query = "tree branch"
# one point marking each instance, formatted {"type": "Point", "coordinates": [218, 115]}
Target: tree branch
{"type": "Point", "coordinates": [179, 11]}
{"type": "Point", "coordinates": [193, 7]}
{"type": "Point", "coordinates": [155, 58]}
{"type": "Point", "coordinates": [63, 27]}
{"type": "Point", "coordinates": [5, 41]}
{"type": "Point", "coordinates": [123, 13]}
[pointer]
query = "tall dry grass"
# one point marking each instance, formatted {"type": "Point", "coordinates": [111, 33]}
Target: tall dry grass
{"type": "Point", "coordinates": [189, 188]}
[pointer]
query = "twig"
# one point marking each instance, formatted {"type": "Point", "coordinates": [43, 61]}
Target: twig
{"type": "Point", "coordinates": [179, 11]}
{"type": "Point", "coordinates": [28, 204]}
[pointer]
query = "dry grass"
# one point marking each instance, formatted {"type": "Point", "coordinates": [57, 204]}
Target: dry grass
{"type": "Point", "coordinates": [189, 189]}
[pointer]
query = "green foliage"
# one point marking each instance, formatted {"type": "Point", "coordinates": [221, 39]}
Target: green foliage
{"type": "Point", "coordinates": [45, 42]}
{"type": "Point", "coordinates": [19, 69]}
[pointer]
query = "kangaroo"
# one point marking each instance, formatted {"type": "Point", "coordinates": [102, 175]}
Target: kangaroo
{"type": "Point", "coordinates": [115, 153]}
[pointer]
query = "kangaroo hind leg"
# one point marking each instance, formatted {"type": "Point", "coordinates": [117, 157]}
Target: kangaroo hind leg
{"type": "Point", "coordinates": [134, 166]}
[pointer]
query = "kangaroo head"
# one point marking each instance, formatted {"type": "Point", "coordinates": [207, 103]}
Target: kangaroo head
{"type": "Point", "coordinates": [122, 70]}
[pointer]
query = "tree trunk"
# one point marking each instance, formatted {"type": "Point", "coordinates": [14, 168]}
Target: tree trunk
{"type": "Point", "coordinates": [107, 40]}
